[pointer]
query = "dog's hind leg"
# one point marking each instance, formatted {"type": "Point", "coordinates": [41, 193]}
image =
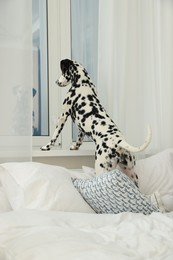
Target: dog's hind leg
{"type": "Point", "coordinates": [127, 164]}
{"type": "Point", "coordinates": [105, 162]}
{"type": "Point", "coordinates": [79, 141]}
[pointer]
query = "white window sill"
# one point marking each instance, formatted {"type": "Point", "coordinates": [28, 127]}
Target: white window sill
{"type": "Point", "coordinates": [54, 152]}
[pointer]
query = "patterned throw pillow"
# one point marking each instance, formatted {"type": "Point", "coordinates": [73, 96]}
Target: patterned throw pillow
{"type": "Point", "coordinates": [113, 192]}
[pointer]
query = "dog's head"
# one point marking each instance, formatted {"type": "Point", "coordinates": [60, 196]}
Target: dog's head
{"type": "Point", "coordinates": [71, 72]}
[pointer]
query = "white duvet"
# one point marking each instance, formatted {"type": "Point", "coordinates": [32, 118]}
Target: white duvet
{"type": "Point", "coordinates": [52, 235]}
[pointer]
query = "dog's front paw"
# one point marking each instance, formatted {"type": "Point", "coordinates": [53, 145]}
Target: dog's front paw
{"type": "Point", "coordinates": [45, 148]}
{"type": "Point", "coordinates": [74, 147]}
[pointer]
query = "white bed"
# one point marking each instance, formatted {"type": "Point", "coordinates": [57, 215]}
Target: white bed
{"type": "Point", "coordinates": [43, 216]}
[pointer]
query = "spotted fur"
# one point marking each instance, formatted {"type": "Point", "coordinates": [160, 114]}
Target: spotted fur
{"type": "Point", "coordinates": [86, 110]}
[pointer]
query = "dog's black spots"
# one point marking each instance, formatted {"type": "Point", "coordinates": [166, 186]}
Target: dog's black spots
{"type": "Point", "coordinates": [119, 141]}
{"type": "Point", "coordinates": [136, 176]}
{"type": "Point", "coordinates": [103, 123]}
{"type": "Point", "coordinates": [110, 156]}
{"type": "Point", "coordinates": [78, 107]}
{"type": "Point", "coordinates": [112, 127]}
{"type": "Point", "coordinates": [82, 120]}
{"type": "Point", "coordinates": [130, 158]}
{"type": "Point", "coordinates": [88, 134]}
{"type": "Point", "coordinates": [83, 104]}
{"type": "Point", "coordinates": [66, 100]}
{"type": "Point", "coordinates": [76, 85]}
{"type": "Point", "coordinates": [47, 148]}
{"type": "Point", "coordinates": [85, 73]}
{"type": "Point", "coordinates": [93, 127]}
{"type": "Point", "coordinates": [100, 152]}
{"type": "Point", "coordinates": [109, 165]}
{"type": "Point", "coordinates": [73, 92]}
{"type": "Point", "coordinates": [101, 165]}
{"type": "Point", "coordinates": [95, 122]}
{"type": "Point", "coordinates": [124, 159]}
{"type": "Point", "coordinates": [124, 162]}
{"type": "Point", "coordinates": [117, 136]}
{"type": "Point", "coordinates": [118, 154]}
{"type": "Point", "coordinates": [99, 116]}
{"type": "Point", "coordinates": [85, 81]}
{"type": "Point", "coordinates": [76, 77]}
{"type": "Point", "coordinates": [104, 145]}
{"type": "Point", "coordinates": [75, 102]}
{"type": "Point", "coordinates": [52, 142]}
{"type": "Point", "coordinates": [94, 111]}
{"type": "Point", "coordinates": [113, 150]}
{"type": "Point", "coordinates": [102, 136]}
{"type": "Point", "coordinates": [90, 97]}
{"type": "Point", "coordinates": [111, 131]}
{"type": "Point", "coordinates": [81, 112]}
{"type": "Point", "coordinates": [113, 155]}
{"type": "Point", "coordinates": [106, 139]}
{"type": "Point", "coordinates": [69, 102]}
{"type": "Point", "coordinates": [97, 147]}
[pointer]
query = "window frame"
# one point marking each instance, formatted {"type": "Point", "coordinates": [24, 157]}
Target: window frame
{"type": "Point", "coordinates": [59, 31]}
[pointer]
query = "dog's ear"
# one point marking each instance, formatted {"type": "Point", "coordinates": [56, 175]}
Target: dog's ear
{"type": "Point", "coordinates": [65, 64]}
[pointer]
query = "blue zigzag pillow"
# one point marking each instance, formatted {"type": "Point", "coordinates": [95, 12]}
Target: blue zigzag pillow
{"type": "Point", "coordinates": [113, 192]}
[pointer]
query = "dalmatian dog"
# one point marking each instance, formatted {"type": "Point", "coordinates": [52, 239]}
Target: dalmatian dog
{"type": "Point", "coordinates": [86, 110]}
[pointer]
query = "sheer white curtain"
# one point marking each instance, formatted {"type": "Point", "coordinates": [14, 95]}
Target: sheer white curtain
{"type": "Point", "coordinates": [84, 34]}
{"type": "Point", "coordinates": [15, 80]}
{"type": "Point", "coordinates": [135, 61]}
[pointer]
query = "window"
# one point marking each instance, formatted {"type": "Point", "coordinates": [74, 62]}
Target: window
{"type": "Point", "coordinates": [40, 68]}
{"type": "Point", "coordinates": [74, 36]}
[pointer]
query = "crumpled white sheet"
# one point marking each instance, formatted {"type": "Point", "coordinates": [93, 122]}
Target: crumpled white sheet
{"type": "Point", "coordinates": [43, 235]}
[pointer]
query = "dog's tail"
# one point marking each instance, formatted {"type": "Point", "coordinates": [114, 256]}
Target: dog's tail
{"type": "Point", "coordinates": [123, 144]}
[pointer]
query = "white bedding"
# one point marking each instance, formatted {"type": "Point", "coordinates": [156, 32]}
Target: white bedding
{"type": "Point", "coordinates": [43, 235]}
{"type": "Point", "coordinates": [43, 216]}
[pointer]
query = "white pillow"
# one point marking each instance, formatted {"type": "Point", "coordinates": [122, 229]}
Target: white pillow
{"type": "Point", "coordinates": [84, 173]}
{"type": "Point", "coordinates": [40, 186]}
{"type": "Point", "coordinates": [4, 202]}
{"type": "Point", "coordinates": [156, 174]}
